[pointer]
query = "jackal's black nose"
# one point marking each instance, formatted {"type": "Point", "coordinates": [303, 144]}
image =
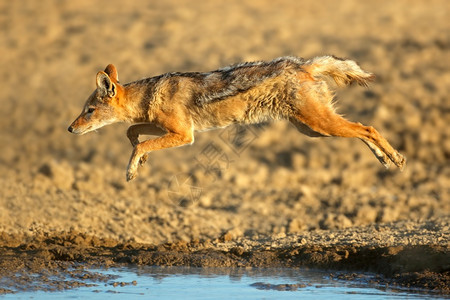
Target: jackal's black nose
{"type": "Point", "coordinates": [70, 129]}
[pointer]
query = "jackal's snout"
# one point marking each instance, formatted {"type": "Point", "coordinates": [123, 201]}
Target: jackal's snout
{"type": "Point", "coordinates": [75, 127]}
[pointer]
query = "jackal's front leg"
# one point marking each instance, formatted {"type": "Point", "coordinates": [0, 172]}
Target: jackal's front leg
{"type": "Point", "coordinates": [134, 131]}
{"type": "Point", "coordinates": [169, 140]}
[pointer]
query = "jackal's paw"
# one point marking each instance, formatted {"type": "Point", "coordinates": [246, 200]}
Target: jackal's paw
{"type": "Point", "coordinates": [143, 159]}
{"type": "Point", "coordinates": [131, 174]}
{"type": "Point", "coordinates": [385, 162]}
{"type": "Point", "coordinates": [132, 168]}
{"type": "Point", "coordinates": [383, 158]}
{"type": "Point", "coordinates": [399, 161]}
{"type": "Point", "coordinates": [380, 155]}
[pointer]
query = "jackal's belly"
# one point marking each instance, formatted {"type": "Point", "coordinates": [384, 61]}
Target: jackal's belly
{"type": "Point", "coordinates": [219, 114]}
{"type": "Point", "coordinates": [252, 107]}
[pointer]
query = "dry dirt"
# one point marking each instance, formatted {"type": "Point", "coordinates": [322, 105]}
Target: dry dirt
{"type": "Point", "coordinates": [253, 196]}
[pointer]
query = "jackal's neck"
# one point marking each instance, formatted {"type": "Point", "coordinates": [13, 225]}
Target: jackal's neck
{"type": "Point", "coordinates": [138, 100]}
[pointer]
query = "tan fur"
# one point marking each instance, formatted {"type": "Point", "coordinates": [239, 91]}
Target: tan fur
{"type": "Point", "coordinates": [174, 105]}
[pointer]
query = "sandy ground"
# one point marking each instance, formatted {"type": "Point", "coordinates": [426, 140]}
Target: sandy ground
{"type": "Point", "coordinates": [266, 182]}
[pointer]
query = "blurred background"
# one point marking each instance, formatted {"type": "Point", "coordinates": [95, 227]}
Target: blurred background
{"type": "Point", "coordinates": [261, 180]}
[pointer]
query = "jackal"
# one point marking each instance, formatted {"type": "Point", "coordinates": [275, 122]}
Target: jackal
{"type": "Point", "coordinates": [174, 105]}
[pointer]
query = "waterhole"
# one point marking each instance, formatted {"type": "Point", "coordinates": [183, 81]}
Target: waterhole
{"type": "Point", "coordinates": [220, 283]}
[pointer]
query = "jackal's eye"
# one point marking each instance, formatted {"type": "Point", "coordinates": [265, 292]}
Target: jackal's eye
{"type": "Point", "coordinates": [90, 110]}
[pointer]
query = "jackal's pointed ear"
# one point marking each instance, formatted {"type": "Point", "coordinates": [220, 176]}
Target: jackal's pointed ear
{"type": "Point", "coordinates": [112, 72]}
{"type": "Point", "coordinates": [105, 86]}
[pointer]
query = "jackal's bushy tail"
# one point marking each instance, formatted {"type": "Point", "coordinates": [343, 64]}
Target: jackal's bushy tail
{"type": "Point", "coordinates": [343, 71]}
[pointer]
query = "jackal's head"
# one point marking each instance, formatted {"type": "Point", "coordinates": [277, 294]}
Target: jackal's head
{"type": "Point", "coordinates": [102, 107]}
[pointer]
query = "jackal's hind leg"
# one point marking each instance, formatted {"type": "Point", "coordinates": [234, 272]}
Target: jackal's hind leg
{"type": "Point", "coordinates": [304, 128]}
{"type": "Point", "coordinates": [322, 119]}
{"type": "Point", "coordinates": [383, 159]}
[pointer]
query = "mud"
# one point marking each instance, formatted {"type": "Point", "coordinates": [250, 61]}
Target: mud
{"type": "Point", "coordinates": [44, 262]}
{"type": "Point", "coordinates": [268, 196]}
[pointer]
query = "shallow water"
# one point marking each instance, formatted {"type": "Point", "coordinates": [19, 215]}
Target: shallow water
{"type": "Point", "coordinates": [223, 283]}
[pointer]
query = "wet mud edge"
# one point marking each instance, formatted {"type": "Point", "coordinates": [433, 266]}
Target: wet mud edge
{"type": "Point", "coordinates": [36, 262]}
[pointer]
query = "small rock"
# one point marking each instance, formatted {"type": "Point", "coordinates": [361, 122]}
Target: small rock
{"type": "Point", "coordinates": [231, 235]}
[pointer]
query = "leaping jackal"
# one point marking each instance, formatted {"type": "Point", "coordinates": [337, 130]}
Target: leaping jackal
{"type": "Point", "coordinates": [174, 105]}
